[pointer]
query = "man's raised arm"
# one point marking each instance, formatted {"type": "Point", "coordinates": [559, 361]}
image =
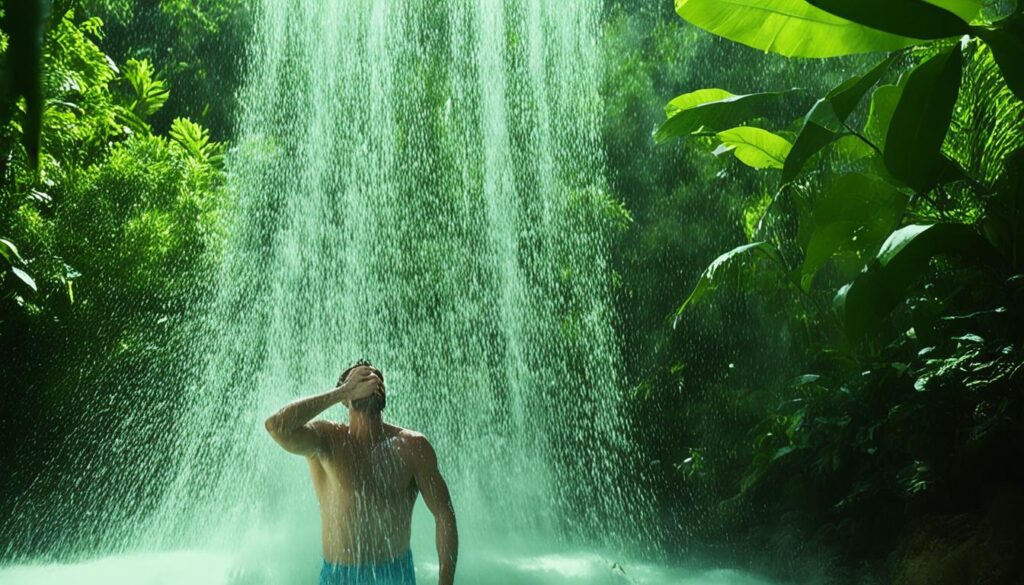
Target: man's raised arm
{"type": "Point", "coordinates": [291, 426]}
{"type": "Point", "coordinates": [438, 500]}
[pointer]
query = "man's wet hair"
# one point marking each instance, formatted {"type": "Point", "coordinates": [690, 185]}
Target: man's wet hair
{"type": "Point", "coordinates": [369, 403]}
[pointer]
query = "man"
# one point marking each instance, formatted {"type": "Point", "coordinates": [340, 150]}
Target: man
{"type": "Point", "coordinates": [367, 475]}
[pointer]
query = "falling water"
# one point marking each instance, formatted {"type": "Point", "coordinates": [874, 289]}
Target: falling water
{"type": "Point", "coordinates": [419, 183]}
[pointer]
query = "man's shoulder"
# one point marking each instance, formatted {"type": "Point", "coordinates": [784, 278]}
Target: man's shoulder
{"type": "Point", "coordinates": [414, 440]}
{"type": "Point", "coordinates": [328, 428]}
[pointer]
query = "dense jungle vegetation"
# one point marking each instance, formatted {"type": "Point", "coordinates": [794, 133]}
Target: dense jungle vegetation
{"type": "Point", "coordinates": [819, 270]}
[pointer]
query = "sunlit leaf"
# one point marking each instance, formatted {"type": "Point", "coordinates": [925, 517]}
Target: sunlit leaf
{"type": "Point", "coordinates": [792, 28]}
{"type": "Point", "coordinates": [694, 99]}
{"type": "Point", "coordinates": [883, 104]}
{"type": "Point", "coordinates": [150, 93]}
{"type": "Point", "coordinates": [24, 277]}
{"type": "Point", "coordinates": [755, 147]}
{"type": "Point", "coordinates": [9, 251]}
{"type": "Point", "coordinates": [1006, 39]}
{"type": "Point", "coordinates": [711, 109]}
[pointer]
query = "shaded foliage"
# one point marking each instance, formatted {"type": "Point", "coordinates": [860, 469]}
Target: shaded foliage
{"type": "Point", "coordinates": [898, 219]}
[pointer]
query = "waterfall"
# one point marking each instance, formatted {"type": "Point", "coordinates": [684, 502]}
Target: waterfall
{"type": "Point", "coordinates": [418, 183]}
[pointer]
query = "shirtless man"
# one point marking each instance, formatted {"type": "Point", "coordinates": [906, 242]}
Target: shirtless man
{"type": "Point", "coordinates": [367, 475]}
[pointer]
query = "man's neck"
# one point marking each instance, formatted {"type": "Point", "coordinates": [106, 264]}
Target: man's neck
{"type": "Point", "coordinates": [366, 427]}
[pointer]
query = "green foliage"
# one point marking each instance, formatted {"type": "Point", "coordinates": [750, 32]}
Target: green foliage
{"type": "Point", "coordinates": [920, 121]}
{"type": "Point", "coordinates": [754, 147]}
{"type": "Point", "coordinates": [850, 220]}
{"type": "Point", "coordinates": [792, 28]}
{"type": "Point", "coordinates": [900, 220]}
{"type": "Point", "coordinates": [710, 109]}
{"type": "Point", "coordinates": [150, 94]}
{"type": "Point", "coordinates": [903, 258]}
{"type": "Point", "coordinates": [1006, 39]}
{"type": "Point", "coordinates": [915, 19]}
{"type": "Point", "coordinates": [826, 121]}
{"type": "Point", "coordinates": [724, 265]}
{"type": "Point", "coordinates": [195, 140]}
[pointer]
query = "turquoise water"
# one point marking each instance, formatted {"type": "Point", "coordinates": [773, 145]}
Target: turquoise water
{"type": "Point", "coordinates": [205, 568]}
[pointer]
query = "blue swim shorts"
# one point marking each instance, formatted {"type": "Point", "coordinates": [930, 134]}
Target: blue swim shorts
{"type": "Point", "coordinates": [397, 571]}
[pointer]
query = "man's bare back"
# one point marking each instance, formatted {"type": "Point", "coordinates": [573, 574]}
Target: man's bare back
{"type": "Point", "coordinates": [367, 475]}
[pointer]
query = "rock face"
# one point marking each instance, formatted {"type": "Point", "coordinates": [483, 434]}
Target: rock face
{"type": "Point", "coordinates": [964, 549]}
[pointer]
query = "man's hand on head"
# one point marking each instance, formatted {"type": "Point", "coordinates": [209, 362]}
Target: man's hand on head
{"type": "Point", "coordinates": [361, 382]}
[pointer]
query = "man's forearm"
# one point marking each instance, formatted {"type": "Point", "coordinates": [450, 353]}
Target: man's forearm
{"type": "Point", "coordinates": [300, 412]}
{"type": "Point", "coordinates": [447, 537]}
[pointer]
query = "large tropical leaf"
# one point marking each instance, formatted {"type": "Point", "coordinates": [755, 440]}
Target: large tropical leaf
{"type": "Point", "coordinates": [754, 147]}
{"type": "Point", "coordinates": [904, 256]}
{"type": "Point", "coordinates": [967, 10]}
{"type": "Point", "coordinates": [792, 28]}
{"type": "Point", "coordinates": [824, 123]}
{"type": "Point", "coordinates": [883, 104]}
{"type": "Point", "coordinates": [1006, 39]}
{"type": "Point", "coordinates": [696, 98]}
{"type": "Point", "coordinates": [713, 274]}
{"type": "Point", "coordinates": [712, 109]}
{"type": "Point", "coordinates": [1004, 218]}
{"type": "Point", "coordinates": [988, 122]}
{"type": "Point", "coordinates": [856, 213]}
{"type": "Point", "coordinates": [921, 119]}
{"type": "Point", "coordinates": [909, 18]}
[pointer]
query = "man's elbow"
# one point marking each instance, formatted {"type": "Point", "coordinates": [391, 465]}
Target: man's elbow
{"type": "Point", "coordinates": [274, 426]}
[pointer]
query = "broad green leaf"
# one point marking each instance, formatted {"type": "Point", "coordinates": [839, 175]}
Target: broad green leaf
{"type": "Point", "coordinates": [754, 147]}
{"type": "Point", "coordinates": [823, 124]}
{"type": "Point", "coordinates": [845, 97]}
{"type": "Point", "coordinates": [967, 10]}
{"type": "Point", "coordinates": [1006, 39]}
{"type": "Point", "coordinates": [24, 277]}
{"type": "Point", "coordinates": [1004, 218]}
{"type": "Point", "coordinates": [690, 112]}
{"type": "Point", "coordinates": [792, 28]}
{"type": "Point", "coordinates": [883, 104]}
{"type": "Point", "coordinates": [909, 18]}
{"type": "Point", "coordinates": [902, 259]}
{"type": "Point", "coordinates": [694, 99]}
{"type": "Point", "coordinates": [856, 213]}
{"type": "Point", "coordinates": [812, 138]}
{"type": "Point", "coordinates": [852, 148]}
{"type": "Point", "coordinates": [712, 274]}
{"type": "Point", "coordinates": [919, 124]}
